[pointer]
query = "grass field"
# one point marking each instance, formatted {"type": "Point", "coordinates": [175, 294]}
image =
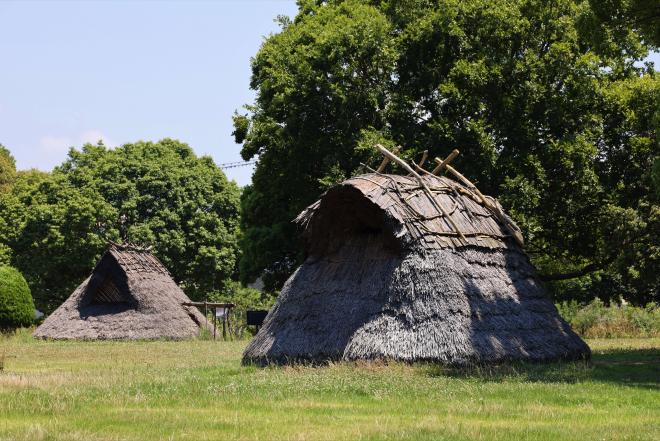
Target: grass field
{"type": "Point", "coordinates": [199, 391]}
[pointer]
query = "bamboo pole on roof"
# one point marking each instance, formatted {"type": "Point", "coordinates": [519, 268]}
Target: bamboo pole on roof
{"type": "Point", "coordinates": [442, 164]}
{"type": "Point", "coordinates": [517, 235]}
{"type": "Point", "coordinates": [420, 164]}
{"type": "Point", "coordinates": [425, 156]}
{"type": "Point", "coordinates": [427, 190]}
{"type": "Point", "coordinates": [386, 160]}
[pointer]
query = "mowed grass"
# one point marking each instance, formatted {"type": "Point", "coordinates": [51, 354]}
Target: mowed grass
{"type": "Point", "coordinates": [197, 390]}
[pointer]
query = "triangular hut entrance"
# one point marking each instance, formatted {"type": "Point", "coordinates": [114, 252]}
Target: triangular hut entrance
{"type": "Point", "coordinates": [393, 273]}
{"type": "Point", "coordinates": [129, 295]}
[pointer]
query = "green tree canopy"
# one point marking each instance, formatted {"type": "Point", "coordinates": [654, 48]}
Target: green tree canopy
{"type": "Point", "coordinates": [622, 17]}
{"type": "Point", "coordinates": [158, 194]}
{"type": "Point", "coordinates": [16, 306]}
{"type": "Point", "coordinates": [544, 101]}
{"type": "Point", "coordinates": [7, 169]}
{"type": "Point", "coordinates": [7, 179]}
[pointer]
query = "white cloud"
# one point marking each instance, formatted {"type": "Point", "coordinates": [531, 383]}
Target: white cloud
{"type": "Point", "coordinates": [61, 144]}
{"type": "Point", "coordinates": [55, 144]}
{"type": "Point", "coordinates": [53, 149]}
{"type": "Point", "coordinates": [94, 136]}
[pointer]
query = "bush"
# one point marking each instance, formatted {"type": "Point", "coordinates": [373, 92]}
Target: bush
{"type": "Point", "coordinates": [16, 306]}
{"type": "Point", "coordinates": [596, 320]}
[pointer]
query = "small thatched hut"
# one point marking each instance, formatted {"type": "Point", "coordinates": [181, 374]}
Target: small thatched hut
{"type": "Point", "coordinates": [389, 275]}
{"type": "Point", "coordinates": [129, 296]}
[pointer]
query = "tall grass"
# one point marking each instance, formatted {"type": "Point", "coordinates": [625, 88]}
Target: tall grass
{"type": "Point", "coordinates": [597, 320]}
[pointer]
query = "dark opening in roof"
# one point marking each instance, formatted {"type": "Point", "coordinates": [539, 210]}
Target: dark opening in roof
{"type": "Point", "coordinates": [107, 292]}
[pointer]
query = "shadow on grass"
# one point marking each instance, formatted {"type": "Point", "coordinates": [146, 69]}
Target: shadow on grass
{"type": "Point", "coordinates": [631, 367]}
{"type": "Point", "coordinates": [627, 367]}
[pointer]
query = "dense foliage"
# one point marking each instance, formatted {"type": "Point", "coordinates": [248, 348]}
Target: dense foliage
{"type": "Point", "coordinates": [16, 306]}
{"type": "Point", "coordinates": [157, 194]}
{"type": "Point", "coordinates": [7, 178]}
{"type": "Point", "coordinates": [544, 99]}
{"type": "Point", "coordinates": [624, 16]}
{"type": "Point", "coordinates": [7, 169]}
{"type": "Point", "coordinates": [597, 320]}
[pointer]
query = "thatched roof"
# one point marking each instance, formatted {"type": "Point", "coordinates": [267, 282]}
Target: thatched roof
{"type": "Point", "coordinates": [408, 212]}
{"type": "Point", "coordinates": [391, 275]}
{"type": "Point", "coordinates": [129, 295]}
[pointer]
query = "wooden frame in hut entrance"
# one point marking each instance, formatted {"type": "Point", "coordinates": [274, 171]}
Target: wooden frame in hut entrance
{"type": "Point", "coordinates": [220, 311]}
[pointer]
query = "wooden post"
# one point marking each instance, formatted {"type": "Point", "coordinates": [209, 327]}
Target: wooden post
{"type": "Point", "coordinates": [425, 155]}
{"type": "Point", "coordinates": [445, 163]}
{"type": "Point", "coordinates": [386, 160]}
{"type": "Point", "coordinates": [213, 306]}
{"type": "Point", "coordinates": [206, 315]}
{"type": "Point", "coordinates": [421, 182]}
{"type": "Point", "coordinates": [463, 179]}
{"type": "Point", "coordinates": [229, 325]}
{"type": "Point", "coordinates": [215, 323]}
{"type": "Point", "coordinates": [420, 164]}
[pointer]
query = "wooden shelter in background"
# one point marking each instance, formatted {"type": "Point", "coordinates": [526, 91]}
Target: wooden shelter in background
{"type": "Point", "coordinates": [416, 267]}
{"type": "Point", "coordinates": [129, 295]}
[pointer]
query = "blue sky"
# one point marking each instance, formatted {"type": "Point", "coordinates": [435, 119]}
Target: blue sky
{"type": "Point", "coordinates": [76, 72]}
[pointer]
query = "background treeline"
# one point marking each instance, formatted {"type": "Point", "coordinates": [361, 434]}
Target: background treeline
{"type": "Point", "coordinates": [549, 102]}
{"type": "Point", "coordinates": [54, 226]}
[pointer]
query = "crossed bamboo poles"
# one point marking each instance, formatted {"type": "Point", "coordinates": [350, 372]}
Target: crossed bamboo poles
{"type": "Point", "coordinates": [444, 165]}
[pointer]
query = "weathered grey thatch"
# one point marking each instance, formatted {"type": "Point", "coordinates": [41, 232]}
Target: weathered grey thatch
{"type": "Point", "coordinates": [129, 296]}
{"type": "Point", "coordinates": [387, 277]}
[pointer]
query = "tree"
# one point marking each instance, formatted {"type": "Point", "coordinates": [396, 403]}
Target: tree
{"type": "Point", "coordinates": [625, 16]}
{"type": "Point", "coordinates": [157, 194]}
{"type": "Point", "coordinates": [53, 235]}
{"type": "Point", "coordinates": [8, 176]}
{"type": "Point", "coordinates": [16, 307]}
{"type": "Point", "coordinates": [7, 169]}
{"type": "Point", "coordinates": [540, 98]}
{"type": "Point", "coordinates": [320, 81]}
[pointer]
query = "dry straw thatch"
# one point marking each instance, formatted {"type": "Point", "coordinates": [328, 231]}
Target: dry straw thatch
{"type": "Point", "coordinates": [391, 275]}
{"type": "Point", "coordinates": [129, 296]}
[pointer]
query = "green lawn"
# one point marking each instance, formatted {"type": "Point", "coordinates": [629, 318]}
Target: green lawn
{"type": "Point", "coordinates": [199, 391]}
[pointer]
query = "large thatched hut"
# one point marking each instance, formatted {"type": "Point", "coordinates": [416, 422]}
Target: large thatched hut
{"type": "Point", "coordinates": [389, 274]}
{"type": "Point", "coordinates": [129, 296]}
